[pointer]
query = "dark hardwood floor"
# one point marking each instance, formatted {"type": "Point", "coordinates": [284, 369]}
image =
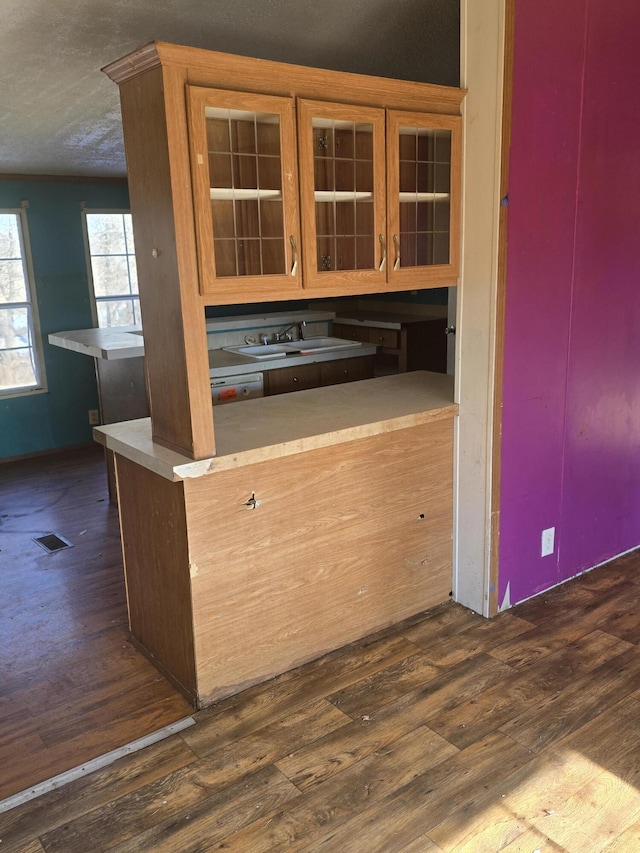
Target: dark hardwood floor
{"type": "Point", "coordinates": [447, 733]}
{"type": "Point", "coordinates": [72, 687]}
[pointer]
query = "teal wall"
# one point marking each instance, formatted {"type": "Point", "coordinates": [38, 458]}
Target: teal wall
{"type": "Point", "coordinates": [57, 418]}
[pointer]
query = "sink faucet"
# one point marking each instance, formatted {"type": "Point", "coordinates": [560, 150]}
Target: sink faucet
{"type": "Point", "coordinates": [285, 334]}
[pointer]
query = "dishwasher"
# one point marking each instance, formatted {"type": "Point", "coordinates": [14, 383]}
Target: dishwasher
{"type": "Point", "coordinates": [233, 389]}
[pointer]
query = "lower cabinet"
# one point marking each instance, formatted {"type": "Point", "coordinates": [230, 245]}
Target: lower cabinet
{"type": "Point", "coordinates": [287, 379]}
{"type": "Point", "coordinates": [244, 573]}
{"type": "Point", "coordinates": [415, 345]}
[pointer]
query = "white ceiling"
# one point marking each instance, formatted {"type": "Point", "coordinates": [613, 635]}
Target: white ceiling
{"type": "Point", "coordinates": [60, 115]}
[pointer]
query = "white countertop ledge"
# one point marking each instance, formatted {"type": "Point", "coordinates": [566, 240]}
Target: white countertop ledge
{"type": "Point", "coordinates": [114, 343]}
{"type": "Point", "coordinates": [272, 427]}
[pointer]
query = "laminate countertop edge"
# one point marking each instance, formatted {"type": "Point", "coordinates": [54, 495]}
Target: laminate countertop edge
{"type": "Point", "coordinates": [273, 427]}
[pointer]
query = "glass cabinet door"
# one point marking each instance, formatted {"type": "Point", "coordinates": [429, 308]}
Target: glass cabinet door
{"type": "Point", "coordinates": [244, 169]}
{"type": "Point", "coordinates": [341, 150]}
{"type": "Point", "coordinates": [423, 197]}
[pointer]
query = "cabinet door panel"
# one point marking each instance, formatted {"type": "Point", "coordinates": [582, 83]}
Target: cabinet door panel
{"type": "Point", "coordinates": [423, 198]}
{"type": "Point", "coordinates": [245, 194]}
{"type": "Point", "coordinates": [341, 150]}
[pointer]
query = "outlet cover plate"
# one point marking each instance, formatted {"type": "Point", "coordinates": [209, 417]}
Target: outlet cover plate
{"type": "Point", "coordinates": [547, 544]}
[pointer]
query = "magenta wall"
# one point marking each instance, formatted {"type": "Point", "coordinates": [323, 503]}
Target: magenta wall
{"type": "Point", "coordinates": [571, 419]}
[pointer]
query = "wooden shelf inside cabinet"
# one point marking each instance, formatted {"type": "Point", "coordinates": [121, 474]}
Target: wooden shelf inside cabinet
{"type": "Point", "coordinates": [346, 195]}
{"type": "Point", "coordinates": [230, 193]}
{"type": "Point", "coordinates": [408, 196]}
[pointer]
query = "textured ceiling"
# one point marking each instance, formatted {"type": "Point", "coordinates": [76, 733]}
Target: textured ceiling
{"type": "Point", "coordinates": [60, 115]}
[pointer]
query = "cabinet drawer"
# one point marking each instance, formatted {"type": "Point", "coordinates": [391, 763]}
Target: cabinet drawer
{"type": "Point", "coordinates": [387, 338]}
{"type": "Point", "coordinates": [346, 370]}
{"type": "Point", "coordinates": [351, 333]}
{"type": "Point", "coordinates": [287, 379]}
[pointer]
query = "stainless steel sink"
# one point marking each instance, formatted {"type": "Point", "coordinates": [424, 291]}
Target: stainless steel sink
{"type": "Point", "coordinates": [258, 352]}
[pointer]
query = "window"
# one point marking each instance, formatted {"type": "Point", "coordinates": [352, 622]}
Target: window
{"type": "Point", "coordinates": [111, 265]}
{"type": "Point", "coordinates": [20, 353]}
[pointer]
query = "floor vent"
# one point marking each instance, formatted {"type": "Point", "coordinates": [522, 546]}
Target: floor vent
{"type": "Point", "coordinates": [52, 542]}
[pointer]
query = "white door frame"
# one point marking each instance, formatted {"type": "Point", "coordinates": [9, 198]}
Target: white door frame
{"type": "Point", "coordinates": [482, 61]}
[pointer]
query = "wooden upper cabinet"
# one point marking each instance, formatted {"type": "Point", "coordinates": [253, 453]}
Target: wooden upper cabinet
{"type": "Point", "coordinates": [244, 173]}
{"type": "Point", "coordinates": [423, 198]}
{"type": "Point", "coordinates": [342, 185]}
{"type": "Point", "coordinates": [378, 214]}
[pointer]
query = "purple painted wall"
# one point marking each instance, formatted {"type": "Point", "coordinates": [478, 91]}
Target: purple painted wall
{"type": "Point", "coordinates": [571, 419]}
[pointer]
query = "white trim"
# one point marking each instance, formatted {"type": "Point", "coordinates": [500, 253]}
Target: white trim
{"type": "Point", "coordinates": [93, 765]}
{"type": "Point", "coordinates": [482, 59]}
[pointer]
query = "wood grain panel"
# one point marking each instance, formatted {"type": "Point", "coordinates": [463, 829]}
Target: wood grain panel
{"type": "Point", "coordinates": [154, 544]}
{"type": "Point", "coordinates": [154, 120]}
{"type": "Point", "coordinates": [343, 541]}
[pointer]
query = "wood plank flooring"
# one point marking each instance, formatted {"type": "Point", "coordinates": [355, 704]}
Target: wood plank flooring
{"type": "Point", "coordinates": [448, 733]}
{"type": "Point", "coordinates": [72, 687]}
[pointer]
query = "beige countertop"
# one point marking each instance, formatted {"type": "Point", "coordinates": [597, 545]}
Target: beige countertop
{"type": "Point", "coordinates": [286, 424]}
{"type": "Point", "coordinates": [381, 320]}
{"type": "Point", "coordinates": [109, 344]}
{"type": "Point", "coordinates": [127, 341]}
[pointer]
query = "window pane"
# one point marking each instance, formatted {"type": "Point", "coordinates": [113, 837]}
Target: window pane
{"type": "Point", "coordinates": [13, 287]}
{"type": "Point", "coordinates": [110, 275]}
{"type": "Point", "coordinates": [17, 369]}
{"type": "Point", "coordinates": [106, 233]}
{"type": "Point", "coordinates": [9, 236]}
{"type": "Point", "coordinates": [118, 312]}
{"type": "Point", "coordinates": [133, 273]}
{"type": "Point", "coordinates": [15, 328]}
{"type": "Point", "coordinates": [128, 232]}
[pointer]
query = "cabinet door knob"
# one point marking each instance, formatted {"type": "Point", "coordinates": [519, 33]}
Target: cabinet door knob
{"type": "Point", "coordinates": [294, 255]}
{"type": "Point", "coordinates": [295, 378]}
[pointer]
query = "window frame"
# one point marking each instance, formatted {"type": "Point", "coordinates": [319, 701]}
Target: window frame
{"type": "Point", "coordinates": [93, 299]}
{"type": "Point", "coordinates": [32, 308]}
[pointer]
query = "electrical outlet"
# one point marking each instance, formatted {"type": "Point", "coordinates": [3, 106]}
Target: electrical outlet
{"type": "Point", "coordinates": [548, 541]}
{"type": "Point", "coordinates": [94, 417]}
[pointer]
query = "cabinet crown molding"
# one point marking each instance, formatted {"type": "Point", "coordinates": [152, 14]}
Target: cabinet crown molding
{"type": "Point", "coordinates": [225, 70]}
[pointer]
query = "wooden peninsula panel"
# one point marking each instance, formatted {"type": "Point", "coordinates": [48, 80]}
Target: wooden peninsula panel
{"type": "Point", "coordinates": [156, 559]}
{"type": "Point", "coordinates": [342, 541]}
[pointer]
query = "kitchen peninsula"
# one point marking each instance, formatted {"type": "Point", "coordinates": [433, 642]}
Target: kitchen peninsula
{"type": "Point", "coordinates": [302, 521]}
{"type": "Point", "coordinates": [324, 516]}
